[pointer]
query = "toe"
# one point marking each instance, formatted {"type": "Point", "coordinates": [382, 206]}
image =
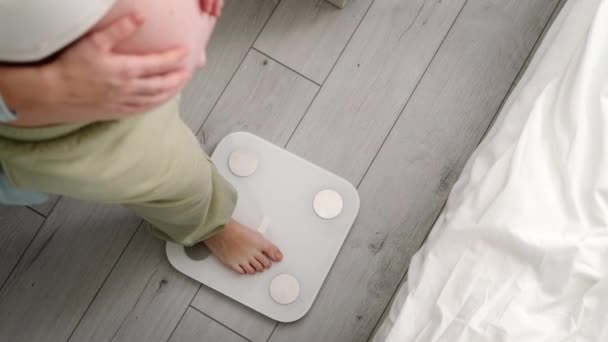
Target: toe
{"type": "Point", "coordinates": [263, 260]}
{"type": "Point", "coordinates": [273, 253]}
{"type": "Point", "coordinates": [248, 268]}
{"type": "Point", "coordinates": [238, 269]}
{"type": "Point", "coordinates": [256, 265]}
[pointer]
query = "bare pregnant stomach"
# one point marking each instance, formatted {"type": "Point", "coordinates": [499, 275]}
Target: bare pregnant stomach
{"type": "Point", "coordinates": [169, 24]}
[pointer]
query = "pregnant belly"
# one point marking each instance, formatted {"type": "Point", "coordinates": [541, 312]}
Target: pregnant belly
{"type": "Point", "coordinates": [169, 23]}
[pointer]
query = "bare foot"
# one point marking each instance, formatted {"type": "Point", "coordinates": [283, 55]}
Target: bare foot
{"type": "Point", "coordinates": [242, 249]}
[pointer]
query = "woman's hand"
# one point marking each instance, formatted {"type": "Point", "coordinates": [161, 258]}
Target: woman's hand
{"type": "Point", "coordinates": [90, 82]}
{"type": "Point", "coordinates": [212, 7]}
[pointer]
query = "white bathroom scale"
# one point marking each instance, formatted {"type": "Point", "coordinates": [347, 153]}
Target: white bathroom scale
{"type": "Point", "coordinates": [303, 209]}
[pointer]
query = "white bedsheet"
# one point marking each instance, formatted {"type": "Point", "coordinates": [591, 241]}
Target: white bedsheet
{"type": "Point", "coordinates": [521, 251]}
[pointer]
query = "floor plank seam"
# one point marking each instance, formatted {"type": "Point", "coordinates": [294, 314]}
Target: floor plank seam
{"type": "Point", "coordinates": [177, 325]}
{"type": "Point", "coordinates": [295, 129]}
{"type": "Point", "coordinates": [10, 274]}
{"type": "Point", "coordinates": [387, 307]}
{"type": "Point", "coordinates": [411, 95]}
{"type": "Point", "coordinates": [32, 209]}
{"type": "Point", "coordinates": [134, 305]}
{"type": "Point", "coordinates": [284, 65]}
{"type": "Point", "coordinates": [139, 226]}
{"type": "Point", "coordinates": [404, 276]}
{"type": "Point", "coordinates": [220, 323]}
{"type": "Point", "coordinates": [276, 325]}
{"type": "Point", "coordinates": [55, 205]}
{"type": "Point", "coordinates": [524, 67]}
{"type": "Point", "coordinates": [200, 129]}
{"type": "Point", "coordinates": [348, 41]}
{"type": "Point", "coordinates": [42, 248]}
{"type": "Point", "coordinates": [186, 310]}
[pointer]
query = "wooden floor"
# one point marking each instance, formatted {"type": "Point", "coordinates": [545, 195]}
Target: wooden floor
{"type": "Point", "coordinates": [393, 95]}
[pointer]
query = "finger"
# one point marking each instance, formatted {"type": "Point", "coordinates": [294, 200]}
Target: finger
{"type": "Point", "coordinates": [127, 110]}
{"type": "Point", "coordinates": [153, 100]}
{"type": "Point", "coordinates": [119, 30]}
{"type": "Point", "coordinates": [152, 64]}
{"type": "Point", "coordinates": [160, 84]}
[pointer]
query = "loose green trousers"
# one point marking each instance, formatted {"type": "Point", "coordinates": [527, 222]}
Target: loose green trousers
{"type": "Point", "coordinates": [151, 163]}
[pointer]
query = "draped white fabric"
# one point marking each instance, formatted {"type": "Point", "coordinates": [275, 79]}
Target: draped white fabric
{"type": "Point", "coordinates": [521, 251]}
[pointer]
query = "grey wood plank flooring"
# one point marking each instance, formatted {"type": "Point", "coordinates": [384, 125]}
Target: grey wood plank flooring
{"type": "Point", "coordinates": [18, 226]}
{"type": "Point", "coordinates": [411, 177]}
{"type": "Point", "coordinates": [196, 327]}
{"type": "Point", "coordinates": [239, 318]}
{"type": "Point", "coordinates": [45, 209]}
{"type": "Point", "coordinates": [238, 28]}
{"type": "Point", "coordinates": [383, 329]}
{"type": "Point", "coordinates": [264, 98]}
{"type": "Point", "coordinates": [62, 270]}
{"type": "Point", "coordinates": [309, 35]}
{"type": "Point", "coordinates": [268, 100]}
{"type": "Point", "coordinates": [143, 299]}
{"type": "Point", "coordinates": [371, 83]}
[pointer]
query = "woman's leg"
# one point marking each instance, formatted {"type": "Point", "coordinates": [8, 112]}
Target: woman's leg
{"type": "Point", "coordinates": [153, 164]}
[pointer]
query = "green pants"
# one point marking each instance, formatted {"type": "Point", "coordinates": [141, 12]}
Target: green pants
{"type": "Point", "coordinates": [151, 163]}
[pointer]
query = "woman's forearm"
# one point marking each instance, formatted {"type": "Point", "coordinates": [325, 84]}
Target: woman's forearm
{"type": "Point", "coordinates": [23, 89]}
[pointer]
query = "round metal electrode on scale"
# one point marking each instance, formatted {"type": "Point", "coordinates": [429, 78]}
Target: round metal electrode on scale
{"type": "Point", "coordinates": [284, 289]}
{"type": "Point", "coordinates": [243, 163]}
{"type": "Point", "coordinates": [328, 204]}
